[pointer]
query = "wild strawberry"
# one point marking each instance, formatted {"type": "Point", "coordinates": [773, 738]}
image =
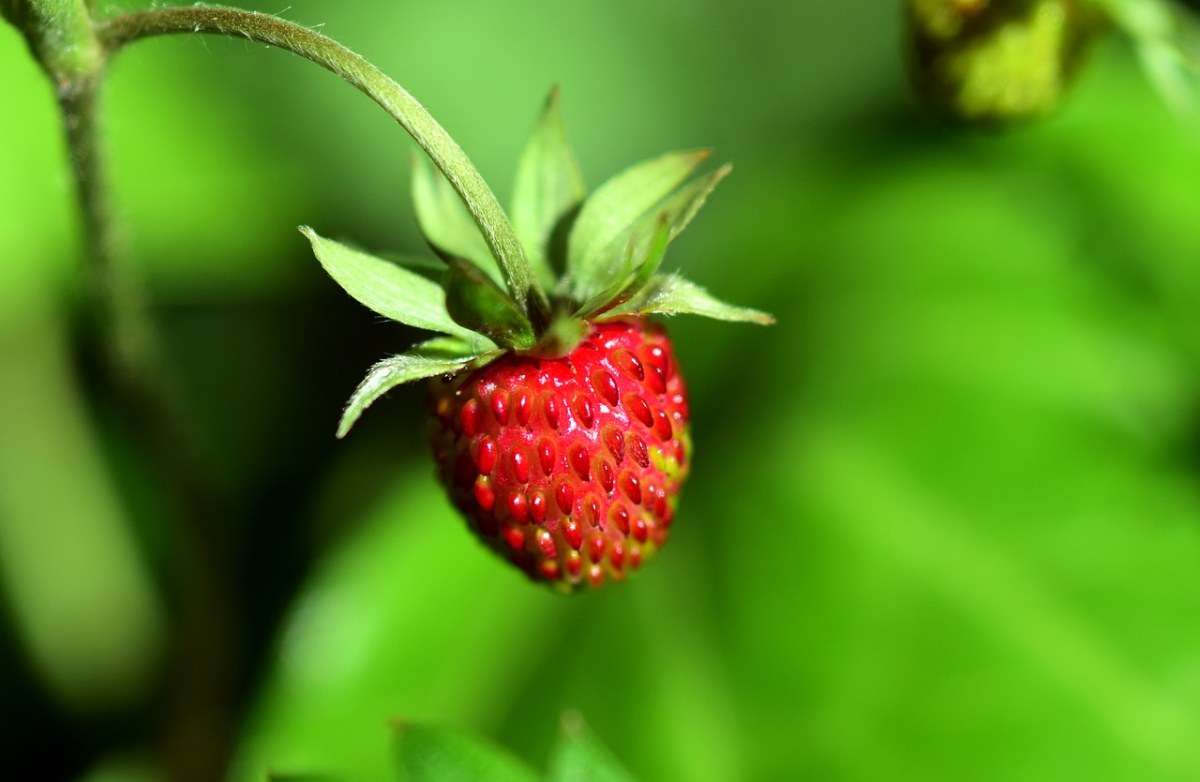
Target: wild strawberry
{"type": "Point", "coordinates": [570, 467]}
{"type": "Point", "coordinates": [559, 423]}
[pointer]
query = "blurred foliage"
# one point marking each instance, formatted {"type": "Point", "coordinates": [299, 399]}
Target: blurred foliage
{"type": "Point", "coordinates": [980, 61]}
{"type": "Point", "coordinates": [944, 520]}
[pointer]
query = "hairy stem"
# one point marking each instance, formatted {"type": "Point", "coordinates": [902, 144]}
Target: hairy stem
{"type": "Point", "coordinates": [412, 116]}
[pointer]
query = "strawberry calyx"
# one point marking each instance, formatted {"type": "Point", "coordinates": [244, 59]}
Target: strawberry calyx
{"type": "Point", "coordinates": [577, 260]}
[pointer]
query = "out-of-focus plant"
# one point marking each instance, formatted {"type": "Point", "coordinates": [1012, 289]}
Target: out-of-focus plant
{"type": "Point", "coordinates": [1000, 61]}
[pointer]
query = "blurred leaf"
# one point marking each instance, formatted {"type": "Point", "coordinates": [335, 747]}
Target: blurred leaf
{"type": "Point", "coordinates": [84, 602]}
{"type": "Point", "coordinates": [1157, 30]}
{"type": "Point", "coordinates": [355, 653]}
{"type": "Point", "coordinates": [430, 754]}
{"type": "Point", "coordinates": [596, 247]}
{"type": "Point", "coordinates": [579, 756]}
{"type": "Point", "coordinates": [387, 289]}
{"type": "Point", "coordinates": [548, 187]}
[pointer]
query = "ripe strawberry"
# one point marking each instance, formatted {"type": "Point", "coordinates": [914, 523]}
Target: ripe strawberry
{"type": "Point", "coordinates": [559, 423]}
{"type": "Point", "coordinates": [570, 467]}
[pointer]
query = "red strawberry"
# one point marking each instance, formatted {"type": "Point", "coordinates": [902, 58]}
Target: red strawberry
{"type": "Point", "coordinates": [570, 467]}
{"type": "Point", "coordinates": [560, 421]}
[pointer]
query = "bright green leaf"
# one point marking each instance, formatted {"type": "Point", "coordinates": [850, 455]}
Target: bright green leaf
{"type": "Point", "coordinates": [479, 304]}
{"type": "Point", "coordinates": [580, 757]}
{"type": "Point", "coordinates": [386, 288]}
{"type": "Point", "coordinates": [416, 364]}
{"type": "Point", "coordinates": [596, 245]}
{"type": "Point", "coordinates": [444, 220]}
{"type": "Point", "coordinates": [429, 754]}
{"type": "Point", "coordinates": [548, 187]}
{"type": "Point", "coordinates": [673, 295]}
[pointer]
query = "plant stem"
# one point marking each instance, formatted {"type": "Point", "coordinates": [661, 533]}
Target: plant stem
{"type": "Point", "coordinates": [113, 293]}
{"type": "Point", "coordinates": [432, 137]}
{"type": "Point", "coordinates": [62, 37]}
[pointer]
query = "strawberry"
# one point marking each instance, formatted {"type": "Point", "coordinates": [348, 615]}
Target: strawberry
{"type": "Point", "coordinates": [559, 421]}
{"type": "Point", "coordinates": [570, 467]}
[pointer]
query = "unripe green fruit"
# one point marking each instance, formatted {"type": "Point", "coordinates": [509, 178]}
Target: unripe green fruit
{"type": "Point", "coordinates": [996, 61]}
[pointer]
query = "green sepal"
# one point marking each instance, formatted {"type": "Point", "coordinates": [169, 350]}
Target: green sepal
{"type": "Point", "coordinates": [679, 208]}
{"type": "Point", "coordinates": [673, 295]}
{"type": "Point", "coordinates": [426, 360]}
{"type": "Point", "coordinates": [648, 242]}
{"type": "Point", "coordinates": [549, 186]}
{"type": "Point", "coordinates": [386, 288]}
{"type": "Point", "coordinates": [560, 337]}
{"type": "Point", "coordinates": [426, 753]}
{"type": "Point", "coordinates": [579, 756]}
{"type": "Point", "coordinates": [445, 222]}
{"type": "Point", "coordinates": [652, 259]}
{"type": "Point", "coordinates": [636, 272]}
{"type": "Point", "coordinates": [477, 303]}
{"type": "Point", "coordinates": [455, 347]}
{"type": "Point", "coordinates": [596, 246]}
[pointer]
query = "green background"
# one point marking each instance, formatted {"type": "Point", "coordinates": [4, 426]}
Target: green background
{"type": "Point", "coordinates": [943, 521]}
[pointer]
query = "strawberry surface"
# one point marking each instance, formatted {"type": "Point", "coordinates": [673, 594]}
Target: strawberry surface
{"type": "Point", "coordinates": [569, 467]}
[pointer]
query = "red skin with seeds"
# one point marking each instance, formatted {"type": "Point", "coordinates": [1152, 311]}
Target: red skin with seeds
{"type": "Point", "coordinates": [570, 467]}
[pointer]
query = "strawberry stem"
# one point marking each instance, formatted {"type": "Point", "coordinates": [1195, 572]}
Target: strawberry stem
{"type": "Point", "coordinates": [443, 150]}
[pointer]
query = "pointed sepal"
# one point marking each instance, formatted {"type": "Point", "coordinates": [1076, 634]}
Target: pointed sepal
{"type": "Point", "coordinates": [597, 244]}
{"type": "Point", "coordinates": [677, 209]}
{"type": "Point", "coordinates": [443, 356]}
{"type": "Point", "coordinates": [648, 242]}
{"type": "Point", "coordinates": [477, 303]}
{"type": "Point", "coordinates": [673, 295]}
{"type": "Point", "coordinates": [386, 288]}
{"type": "Point", "coordinates": [549, 187]}
{"type": "Point", "coordinates": [638, 269]}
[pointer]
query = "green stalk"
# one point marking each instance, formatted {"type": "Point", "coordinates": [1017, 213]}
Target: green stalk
{"type": "Point", "coordinates": [62, 38]}
{"type": "Point", "coordinates": [413, 117]}
{"type": "Point", "coordinates": [61, 34]}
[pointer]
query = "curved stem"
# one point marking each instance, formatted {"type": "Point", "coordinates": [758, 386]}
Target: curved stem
{"type": "Point", "coordinates": [413, 117]}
